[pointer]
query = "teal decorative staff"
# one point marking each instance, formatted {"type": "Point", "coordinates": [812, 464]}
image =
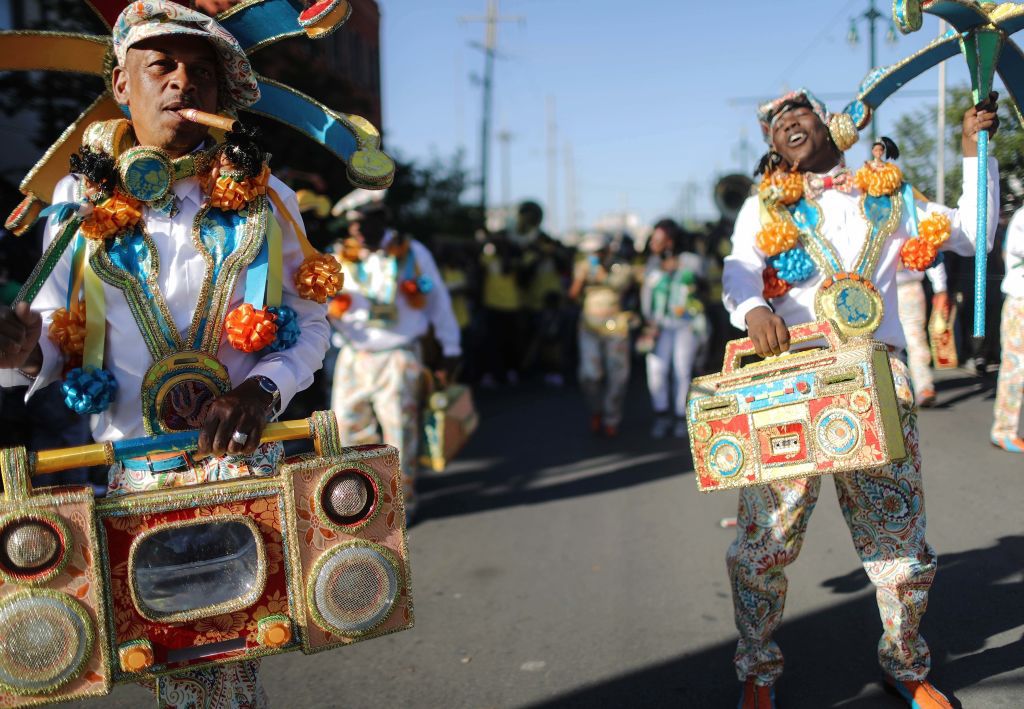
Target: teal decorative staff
{"type": "Point", "coordinates": [980, 31]}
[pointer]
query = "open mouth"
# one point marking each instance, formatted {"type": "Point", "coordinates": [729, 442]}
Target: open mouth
{"type": "Point", "coordinates": [796, 139]}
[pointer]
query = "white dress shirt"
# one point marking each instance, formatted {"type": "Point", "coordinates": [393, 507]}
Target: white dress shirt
{"type": "Point", "coordinates": [1013, 281]}
{"type": "Point", "coordinates": [182, 274]}
{"type": "Point", "coordinates": [410, 323]}
{"type": "Point", "coordinates": [845, 228]}
{"type": "Point", "coordinates": [936, 275]}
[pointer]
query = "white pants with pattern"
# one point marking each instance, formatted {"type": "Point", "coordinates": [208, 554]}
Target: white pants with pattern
{"type": "Point", "coordinates": [671, 362]}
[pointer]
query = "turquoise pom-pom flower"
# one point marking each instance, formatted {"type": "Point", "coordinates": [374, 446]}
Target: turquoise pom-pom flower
{"type": "Point", "coordinates": [88, 390]}
{"type": "Point", "coordinates": [424, 284]}
{"type": "Point", "coordinates": [288, 329]}
{"type": "Point", "coordinates": [793, 266]}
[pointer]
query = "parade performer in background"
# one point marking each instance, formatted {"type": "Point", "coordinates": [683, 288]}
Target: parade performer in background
{"type": "Point", "coordinates": [394, 293]}
{"type": "Point", "coordinates": [819, 241]}
{"type": "Point", "coordinates": [601, 281]}
{"type": "Point", "coordinates": [912, 311]}
{"type": "Point", "coordinates": [1008, 426]}
{"type": "Point", "coordinates": [185, 265]}
{"type": "Point", "coordinates": [674, 321]}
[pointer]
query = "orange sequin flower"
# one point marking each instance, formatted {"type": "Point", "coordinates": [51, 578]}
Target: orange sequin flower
{"type": "Point", "coordinates": [250, 330]}
{"type": "Point", "coordinates": [878, 180]}
{"type": "Point", "coordinates": [339, 305]}
{"type": "Point", "coordinates": [782, 186]}
{"type": "Point", "coordinates": [773, 285]}
{"type": "Point", "coordinates": [115, 214]}
{"type": "Point", "coordinates": [918, 254]}
{"type": "Point", "coordinates": [230, 195]}
{"type": "Point", "coordinates": [777, 236]}
{"type": "Point", "coordinates": [67, 332]}
{"type": "Point", "coordinates": [934, 229]}
{"type": "Point", "coordinates": [319, 278]}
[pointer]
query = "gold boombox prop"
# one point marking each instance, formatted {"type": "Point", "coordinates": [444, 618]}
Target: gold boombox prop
{"type": "Point", "coordinates": [140, 586]}
{"type": "Point", "coordinates": [449, 420]}
{"type": "Point", "coordinates": [803, 413]}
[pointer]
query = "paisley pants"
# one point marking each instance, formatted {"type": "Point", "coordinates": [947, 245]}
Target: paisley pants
{"type": "Point", "coordinates": [234, 686]}
{"type": "Point", "coordinates": [604, 374]}
{"type": "Point", "coordinates": [884, 509]}
{"type": "Point", "coordinates": [376, 396]}
{"type": "Point", "coordinates": [1010, 388]}
{"type": "Point", "coordinates": [912, 312]}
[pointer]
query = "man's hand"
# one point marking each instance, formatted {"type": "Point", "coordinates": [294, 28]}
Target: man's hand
{"type": "Point", "coordinates": [446, 374]}
{"type": "Point", "coordinates": [20, 329]}
{"type": "Point", "coordinates": [768, 331]}
{"type": "Point", "coordinates": [979, 118]}
{"type": "Point", "coordinates": [243, 409]}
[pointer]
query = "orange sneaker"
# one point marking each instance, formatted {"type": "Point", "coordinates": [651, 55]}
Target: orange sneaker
{"type": "Point", "coordinates": [595, 423]}
{"type": "Point", "coordinates": [756, 696]}
{"type": "Point", "coordinates": [919, 694]}
{"type": "Point", "coordinates": [610, 431]}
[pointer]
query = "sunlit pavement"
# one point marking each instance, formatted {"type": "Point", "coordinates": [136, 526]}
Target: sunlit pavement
{"type": "Point", "coordinates": [552, 568]}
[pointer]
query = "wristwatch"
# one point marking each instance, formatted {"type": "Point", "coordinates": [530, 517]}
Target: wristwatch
{"type": "Point", "coordinates": [267, 385]}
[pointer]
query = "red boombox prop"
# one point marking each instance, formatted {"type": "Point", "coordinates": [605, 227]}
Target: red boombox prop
{"type": "Point", "coordinates": [141, 586]}
{"type": "Point", "coordinates": [802, 413]}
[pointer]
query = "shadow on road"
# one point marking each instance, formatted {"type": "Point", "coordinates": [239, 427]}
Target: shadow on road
{"type": "Point", "coordinates": [830, 654]}
{"type": "Point", "coordinates": [553, 454]}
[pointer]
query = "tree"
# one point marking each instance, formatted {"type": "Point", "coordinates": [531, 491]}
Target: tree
{"type": "Point", "coordinates": [917, 145]}
{"type": "Point", "coordinates": [426, 200]}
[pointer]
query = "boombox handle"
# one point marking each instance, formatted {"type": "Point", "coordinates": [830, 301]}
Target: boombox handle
{"type": "Point", "coordinates": [736, 350]}
{"type": "Point", "coordinates": [322, 427]}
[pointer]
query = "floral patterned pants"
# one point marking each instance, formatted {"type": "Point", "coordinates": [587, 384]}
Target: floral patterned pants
{"type": "Point", "coordinates": [1010, 388]}
{"type": "Point", "coordinates": [884, 509]}
{"type": "Point", "coordinates": [235, 686]}
{"type": "Point", "coordinates": [604, 374]}
{"type": "Point", "coordinates": [381, 390]}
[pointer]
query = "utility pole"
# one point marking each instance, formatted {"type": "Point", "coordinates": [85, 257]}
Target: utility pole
{"type": "Point", "coordinates": [489, 49]}
{"type": "Point", "coordinates": [505, 137]}
{"type": "Point", "coordinates": [871, 15]}
{"type": "Point", "coordinates": [940, 158]}
{"type": "Point", "coordinates": [551, 213]}
{"type": "Point", "coordinates": [570, 191]}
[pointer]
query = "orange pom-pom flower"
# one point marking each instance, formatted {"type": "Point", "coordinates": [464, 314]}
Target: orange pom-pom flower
{"type": "Point", "coordinates": [249, 329]}
{"type": "Point", "coordinates": [339, 305]}
{"type": "Point", "coordinates": [231, 195]}
{"type": "Point", "coordinates": [67, 332]}
{"type": "Point", "coordinates": [118, 212]}
{"type": "Point", "coordinates": [934, 229]}
{"type": "Point", "coordinates": [777, 236]}
{"type": "Point", "coordinates": [918, 254]}
{"type": "Point", "coordinates": [319, 278]}
{"type": "Point", "coordinates": [782, 186]}
{"type": "Point", "coordinates": [878, 180]}
{"type": "Point", "coordinates": [774, 286]}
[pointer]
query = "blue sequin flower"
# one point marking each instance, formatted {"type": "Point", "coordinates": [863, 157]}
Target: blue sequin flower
{"type": "Point", "coordinates": [793, 266]}
{"type": "Point", "coordinates": [288, 329]}
{"type": "Point", "coordinates": [88, 390]}
{"type": "Point", "coordinates": [424, 284]}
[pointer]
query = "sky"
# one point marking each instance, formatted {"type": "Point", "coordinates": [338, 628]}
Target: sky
{"type": "Point", "coordinates": [654, 97]}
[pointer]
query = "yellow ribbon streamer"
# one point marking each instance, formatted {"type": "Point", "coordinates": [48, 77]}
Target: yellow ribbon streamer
{"type": "Point", "coordinates": [300, 233]}
{"type": "Point", "coordinates": [95, 319]}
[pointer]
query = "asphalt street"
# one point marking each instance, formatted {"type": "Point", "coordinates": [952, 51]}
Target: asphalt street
{"type": "Point", "coordinates": [555, 569]}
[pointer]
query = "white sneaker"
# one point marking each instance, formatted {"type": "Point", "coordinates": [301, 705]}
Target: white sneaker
{"type": "Point", "coordinates": [662, 425]}
{"type": "Point", "coordinates": [679, 431]}
{"type": "Point", "coordinates": [553, 379]}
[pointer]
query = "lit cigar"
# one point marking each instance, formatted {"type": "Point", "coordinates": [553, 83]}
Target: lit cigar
{"type": "Point", "coordinates": [210, 120]}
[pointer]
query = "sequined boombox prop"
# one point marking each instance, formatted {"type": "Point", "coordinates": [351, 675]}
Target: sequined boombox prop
{"type": "Point", "coordinates": [809, 412]}
{"type": "Point", "coordinates": [140, 586]}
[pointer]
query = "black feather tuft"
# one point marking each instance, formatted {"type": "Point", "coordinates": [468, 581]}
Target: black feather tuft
{"type": "Point", "coordinates": [243, 150]}
{"type": "Point", "coordinates": [99, 168]}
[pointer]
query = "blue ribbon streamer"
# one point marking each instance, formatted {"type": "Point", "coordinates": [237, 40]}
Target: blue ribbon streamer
{"type": "Point", "coordinates": [256, 278]}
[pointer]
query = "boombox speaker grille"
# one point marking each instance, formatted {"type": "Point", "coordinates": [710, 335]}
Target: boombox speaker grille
{"type": "Point", "coordinates": [354, 588]}
{"type": "Point", "coordinates": [45, 638]}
